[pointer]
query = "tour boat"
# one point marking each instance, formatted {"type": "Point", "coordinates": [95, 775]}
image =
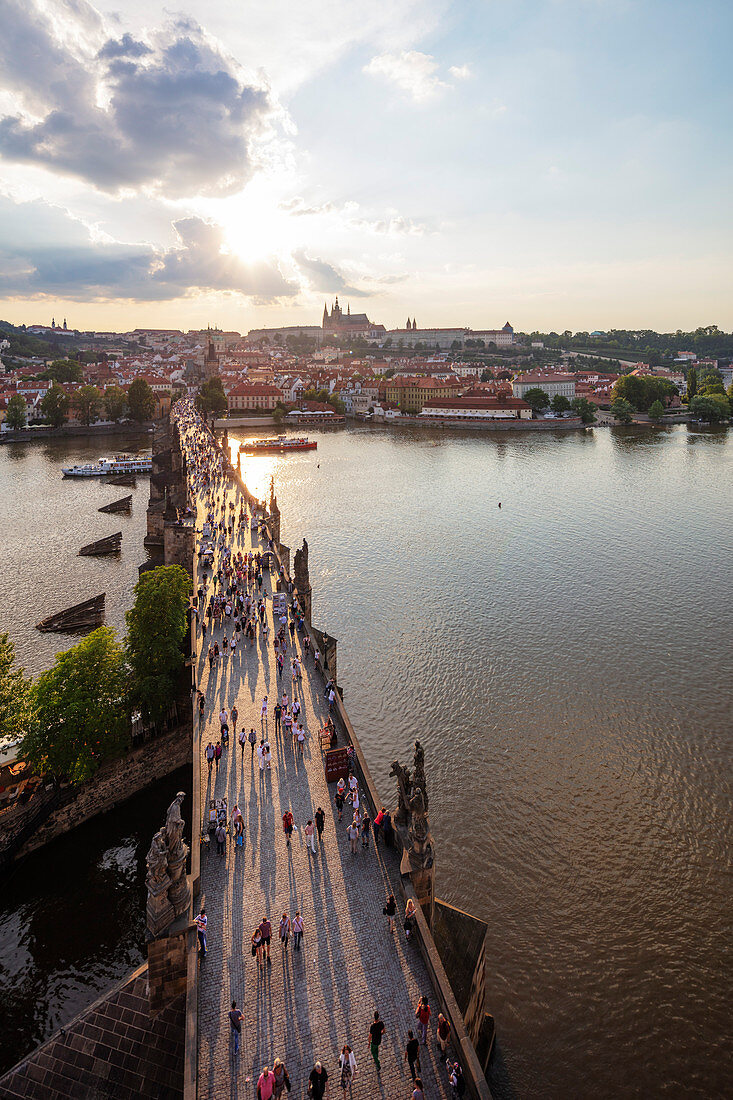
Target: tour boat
{"type": "Point", "coordinates": [120, 464]}
{"type": "Point", "coordinates": [281, 443]}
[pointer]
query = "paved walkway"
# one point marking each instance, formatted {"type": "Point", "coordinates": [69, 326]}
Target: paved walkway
{"type": "Point", "coordinates": [306, 1004]}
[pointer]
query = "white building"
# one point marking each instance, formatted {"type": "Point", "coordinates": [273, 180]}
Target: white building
{"type": "Point", "coordinates": [552, 384]}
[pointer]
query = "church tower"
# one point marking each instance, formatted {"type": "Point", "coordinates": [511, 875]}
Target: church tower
{"type": "Point", "coordinates": [325, 315]}
{"type": "Point", "coordinates": [211, 362]}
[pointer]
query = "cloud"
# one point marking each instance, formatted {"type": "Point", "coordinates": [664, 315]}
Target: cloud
{"type": "Point", "coordinates": [298, 207]}
{"type": "Point", "coordinates": [173, 112]}
{"type": "Point", "coordinates": [324, 276]}
{"type": "Point", "coordinates": [461, 72]}
{"type": "Point", "coordinates": [412, 72]}
{"type": "Point", "coordinates": [45, 252]}
{"type": "Point", "coordinates": [394, 226]}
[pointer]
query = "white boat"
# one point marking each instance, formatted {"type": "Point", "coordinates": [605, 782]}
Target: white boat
{"type": "Point", "coordinates": [119, 464]}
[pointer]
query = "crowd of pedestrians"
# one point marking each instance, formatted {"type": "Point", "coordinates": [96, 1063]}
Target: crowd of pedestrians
{"type": "Point", "coordinates": [233, 613]}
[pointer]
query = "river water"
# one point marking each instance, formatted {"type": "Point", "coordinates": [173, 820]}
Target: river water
{"type": "Point", "coordinates": [565, 660]}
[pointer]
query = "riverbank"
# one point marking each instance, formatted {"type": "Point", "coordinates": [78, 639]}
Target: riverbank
{"type": "Point", "coordinates": [74, 431]}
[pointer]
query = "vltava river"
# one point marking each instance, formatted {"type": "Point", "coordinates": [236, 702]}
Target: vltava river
{"type": "Point", "coordinates": [565, 661]}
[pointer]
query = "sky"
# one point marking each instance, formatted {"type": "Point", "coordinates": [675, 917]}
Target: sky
{"type": "Point", "coordinates": [561, 164]}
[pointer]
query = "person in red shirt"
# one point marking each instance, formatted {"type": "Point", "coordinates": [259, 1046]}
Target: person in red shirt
{"type": "Point", "coordinates": [288, 826]}
{"type": "Point", "coordinates": [265, 1085]}
{"type": "Point", "coordinates": [423, 1018]}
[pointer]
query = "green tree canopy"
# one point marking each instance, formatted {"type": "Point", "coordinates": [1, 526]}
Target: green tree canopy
{"type": "Point", "coordinates": [64, 370]}
{"type": "Point", "coordinates": [211, 397]}
{"type": "Point", "coordinates": [711, 382]}
{"type": "Point", "coordinates": [712, 407]}
{"type": "Point", "coordinates": [656, 410]}
{"type": "Point", "coordinates": [156, 626]}
{"type": "Point", "coordinates": [87, 402]}
{"type": "Point", "coordinates": [115, 403]}
{"type": "Point", "coordinates": [622, 411]}
{"type": "Point", "coordinates": [17, 412]}
{"type": "Point", "coordinates": [54, 406]}
{"type": "Point", "coordinates": [584, 409]}
{"type": "Point", "coordinates": [140, 400]}
{"type": "Point", "coordinates": [560, 403]}
{"type": "Point", "coordinates": [691, 383]}
{"type": "Point", "coordinates": [15, 694]}
{"type": "Point", "coordinates": [81, 718]}
{"type": "Point", "coordinates": [537, 399]}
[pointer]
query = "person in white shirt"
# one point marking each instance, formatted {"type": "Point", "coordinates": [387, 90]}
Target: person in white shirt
{"type": "Point", "coordinates": [347, 1067]}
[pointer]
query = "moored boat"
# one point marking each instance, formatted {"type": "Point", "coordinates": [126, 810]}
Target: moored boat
{"type": "Point", "coordinates": [119, 464]}
{"type": "Point", "coordinates": [280, 443]}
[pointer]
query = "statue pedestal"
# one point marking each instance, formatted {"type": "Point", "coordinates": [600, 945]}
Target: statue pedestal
{"type": "Point", "coordinates": [159, 912]}
{"type": "Point", "coordinates": [179, 892]}
{"type": "Point", "coordinates": [422, 879]}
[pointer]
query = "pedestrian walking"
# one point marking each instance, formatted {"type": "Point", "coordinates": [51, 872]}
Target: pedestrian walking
{"type": "Point", "coordinates": [375, 1038]}
{"type": "Point", "coordinates": [266, 1084]}
{"type": "Point", "coordinates": [320, 822]}
{"type": "Point", "coordinates": [317, 1082]}
{"type": "Point", "coordinates": [217, 755]}
{"type": "Point", "coordinates": [297, 931]}
{"type": "Point", "coordinates": [288, 827]}
{"type": "Point", "coordinates": [353, 834]}
{"type": "Point", "coordinates": [366, 826]}
{"type": "Point", "coordinates": [310, 836]}
{"type": "Point", "coordinates": [221, 836]}
{"type": "Point", "coordinates": [201, 924]}
{"type": "Point", "coordinates": [284, 930]}
{"type": "Point", "coordinates": [252, 738]}
{"type": "Point", "coordinates": [347, 1067]}
{"type": "Point", "coordinates": [278, 715]}
{"type": "Point", "coordinates": [242, 742]}
{"type": "Point", "coordinates": [202, 707]}
{"type": "Point", "coordinates": [210, 755]}
{"type": "Point", "coordinates": [235, 1023]}
{"type": "Point", "coordinates": [266, 931]}
{"type": "Point", "coordinates": [412, 1054]}
{"type": "Point", "coordinates": [456, 1080]}
{"type": "Point", "coordinates": [257, 945]}
{"type": "Point", "coordinates": [389, 911]}
{"type": "Point", "coordinates": [234, 716]}
{"type": "Point", "coordinates": [409, 922]}
{"type": "Point", "coordinates": [418, 1092]}
{"type": "Point", "coordinates": [443, 1035]}
{"type": "Point", "coordinates": [423, 1013]}
{"type": "Point", "coordinates": [282, 1081]}
{"type": "Point", "coordinates": [263, 713]}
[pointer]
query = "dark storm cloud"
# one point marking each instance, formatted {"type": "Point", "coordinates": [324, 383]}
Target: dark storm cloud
{"type": "Point", "coordinates": [176, 113]}
{"type": "Point", "coordinates": [43, 251]}
{"type": "Point", "coordinates": [324, 276]}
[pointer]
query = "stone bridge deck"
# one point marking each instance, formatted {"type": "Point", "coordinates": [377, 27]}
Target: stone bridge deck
{"type": "Point", "coordinates": [306, 1004]}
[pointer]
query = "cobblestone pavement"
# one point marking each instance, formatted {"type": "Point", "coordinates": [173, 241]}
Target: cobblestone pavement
{"type": "Point", "coordinates": [306, 1004]}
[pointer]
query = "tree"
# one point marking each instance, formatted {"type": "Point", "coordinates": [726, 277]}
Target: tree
{"type": "Point", "coordinates": [584, 409]}
{"type": "Point", "coordinates": [486, 375]}
{"type": "Point", "coordinates": [278, 414]}
{"type": "Point", "coordinates": [622, 411]}
{"type": "Point", "coordinates": [64, 370]}
{"type": "Point", "coordinates": [729, 392]}
{"type": "Point", "coordinates": [17, 412]}
{"type": "Point", "coordinates": [211, 397]}
{"type": "Point", "coordinates": [54, 406]}
{"type": "Point", "coordinates": [537, 399]}
{"type": "Point", "coordinates": [15, 694]}
{"type": "Point", "coordinates": [87, 401]}
{"type": "Point", "coordinates": [560, 403]}
{"type": "Point", "coordinates": [140, 401]}
{"type": "Point", "coordinates": [115, 403]}
{"type": "Point", "coordinates": [156, 626]}
{"type": "Point", "coordinates": [711, 407]}
{"type": "Point", "coordinates": [711, 382]}
{"type": "Point", "coordinates": [656, 410]}
{"type": "Point", "coordinates": [691, 383]}
{"type": "Point", "coordinates": [80, 717]}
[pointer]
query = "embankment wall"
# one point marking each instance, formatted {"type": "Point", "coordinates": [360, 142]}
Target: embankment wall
{"type": "Point", "coordinates": [115, 782]}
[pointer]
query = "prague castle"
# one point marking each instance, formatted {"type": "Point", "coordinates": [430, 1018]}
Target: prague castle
{"type": "Point", "coordinates": [338, 323]}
